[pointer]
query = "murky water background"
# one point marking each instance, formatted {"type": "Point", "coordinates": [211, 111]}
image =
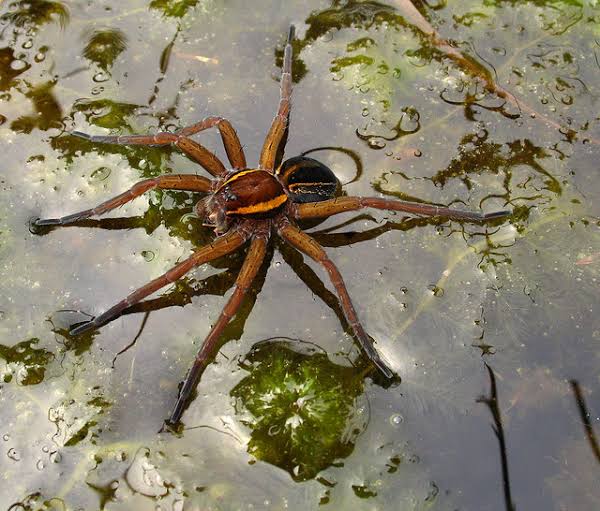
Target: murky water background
{"type": "Point", "coordinates": [493, 328]}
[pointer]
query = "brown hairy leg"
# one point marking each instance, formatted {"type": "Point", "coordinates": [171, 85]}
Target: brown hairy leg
{"type": "Point", "coordinates": [311, 248]}
{"type": "Point", "coordinates": [187, 182]}
{"type": "Point", "coordinates": [252, 263]}
{"type": "Point", "coordinates": [342, 204]}
{"type": "Point", "coordinates": [280, 122]}
{"type": "Point", "coordinates": [221, 246]}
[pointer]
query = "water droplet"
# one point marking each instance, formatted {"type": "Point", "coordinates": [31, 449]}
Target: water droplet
{"type": "Point", "coordinates": [544, 101]}
{"type": "Point", "coordinates": [99, 89]}
{"type": "Point", "coordinates": [6, 437]}
{"type": "Point", "coordinates": [39, 57]}
{"type": "Point", "coordinates": [376, 143]}
{"type": "Point", "coordinates": [417, 153]}
{"type": "Point", "coordinates": [277, 264]}
{"type": "Point", "coordinates": [436, 291]}
{"type": "Point", "coordinates": [27, 44]}
{"type": "Point", "coordinates": [45, 449]}
{"type": "Point", "coordinates": [396, 419]}
{"type": "Point", "coordinates": [567, 100]}
{"type": "Point", "coordinates": [55, 457]}
{"type": "Point", "coordinates": [40, 465]}
{"type": "Point", "coordinates": [18, 65]}
{"type": "Point", "coordinates": [432, 493]}
{"type": "Point", "coordinates": [148, 255]}
{"type": "Point", "coordinates": [13, 454]}
{"type": "Point", "coordinates": [100, 174]}
{"type": "Point", "coordinates": [100, 77]}
{"type": "Point", "coordinates": [365, 112]}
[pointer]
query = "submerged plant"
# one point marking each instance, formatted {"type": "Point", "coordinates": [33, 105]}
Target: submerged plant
{"type": "Point", "coordinates": [302, 409]}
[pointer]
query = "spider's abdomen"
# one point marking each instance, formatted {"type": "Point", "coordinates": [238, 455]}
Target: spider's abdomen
{"type": "Point", "coordinates": [307, 180]}
{"type": "Point", "coordinates": [252, 192]}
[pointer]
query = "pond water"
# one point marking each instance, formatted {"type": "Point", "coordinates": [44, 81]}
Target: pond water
{"type": "Point", "coordinates": [492, 327]}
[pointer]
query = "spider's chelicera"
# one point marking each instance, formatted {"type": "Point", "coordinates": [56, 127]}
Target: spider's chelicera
{"type": "Point", "coordinates": [245, 204]}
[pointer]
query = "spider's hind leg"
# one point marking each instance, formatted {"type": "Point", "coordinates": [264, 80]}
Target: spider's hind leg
{"type": "Point", "coordinates": [312, 249]}
{"type": "Point", "coordinates": [338, 205]}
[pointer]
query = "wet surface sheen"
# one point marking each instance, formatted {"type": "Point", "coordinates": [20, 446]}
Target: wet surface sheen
{"type": "Point", "coordinates": [493, 328]}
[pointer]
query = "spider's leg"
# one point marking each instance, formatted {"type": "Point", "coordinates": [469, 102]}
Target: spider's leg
{"type": "Point", "coordinates": [188, 182]}
{"type": "Point", "coordinates": [221, 246]}
{"type": "Point", "coordinates": [280, 122]}
{"type": "Point", "coordinates": [342, 204]}
{"type": "Point", "coordinates": [194, 150]}
{"type": "Point", "coordinates": [231, 141]}
{"type": "Point", "coordinates": [254, 259]}
{"type": "Point", "coordinates": [311, 248]}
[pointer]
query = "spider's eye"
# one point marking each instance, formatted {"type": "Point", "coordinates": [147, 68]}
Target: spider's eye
{"type": "Point", "coordinates": [307, 180]}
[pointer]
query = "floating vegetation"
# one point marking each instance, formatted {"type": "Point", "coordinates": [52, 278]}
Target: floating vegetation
{"type": "Point", "coordinates": [304, 411]}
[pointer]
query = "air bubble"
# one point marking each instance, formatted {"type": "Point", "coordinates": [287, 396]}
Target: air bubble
{"type": "Point", "coordinates": [18, 65]}
{"type": "Point", "coordinates": [100, 77]}
{"type": "Point", "coordinates": [27, 44]}
{"type": "Point", "coordinates": [376, 143]}
{"type": "Point", "coordinates": [100, 174]}
{"type": "Point", "coordinates": [396, 419]}
{"type": "Point", "coordinates": [148, 255]}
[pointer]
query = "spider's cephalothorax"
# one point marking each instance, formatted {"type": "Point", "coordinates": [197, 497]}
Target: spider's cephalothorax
{"type": "Point", "coordinates": [250, 193]}
{"type": "Point", "coordinates": [248, 205]}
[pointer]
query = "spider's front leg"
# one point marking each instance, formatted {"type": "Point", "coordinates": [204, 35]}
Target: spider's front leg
{"type": "Point", "coordinates": [279, 125]}
{"type": "Point", "coordinates": [193, 149]}
{"type": "Point", "coordinates": [221, 246]}
{"type": "Point", "coordinates": [252, 263]}
{"type": "Point", "coordinates": [311, 248]}
{"type": "Point", "coordinates": [331, 207]}
{"type": "Point", "coordinates": [187, 182]}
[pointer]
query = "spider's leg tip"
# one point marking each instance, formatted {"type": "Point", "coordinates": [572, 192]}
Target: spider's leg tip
{"type": "Point", "coordinates": [81, 134]}
{"type": "Point", "coordinates": [41, 222]}
{"type": "Point", "coordinates": [84, 327]}
{"type": "Point", "coordinates": [498, 214]}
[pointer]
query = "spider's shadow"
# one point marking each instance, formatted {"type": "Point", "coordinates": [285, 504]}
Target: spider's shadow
{"type": "Point", "coordinates": [184, 290]}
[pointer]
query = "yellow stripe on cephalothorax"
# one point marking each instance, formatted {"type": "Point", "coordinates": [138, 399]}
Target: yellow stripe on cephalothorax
{"type": "Point", "coordinates": [261, 207]}
{"type": "Point", "coordinates": [237, 176]}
